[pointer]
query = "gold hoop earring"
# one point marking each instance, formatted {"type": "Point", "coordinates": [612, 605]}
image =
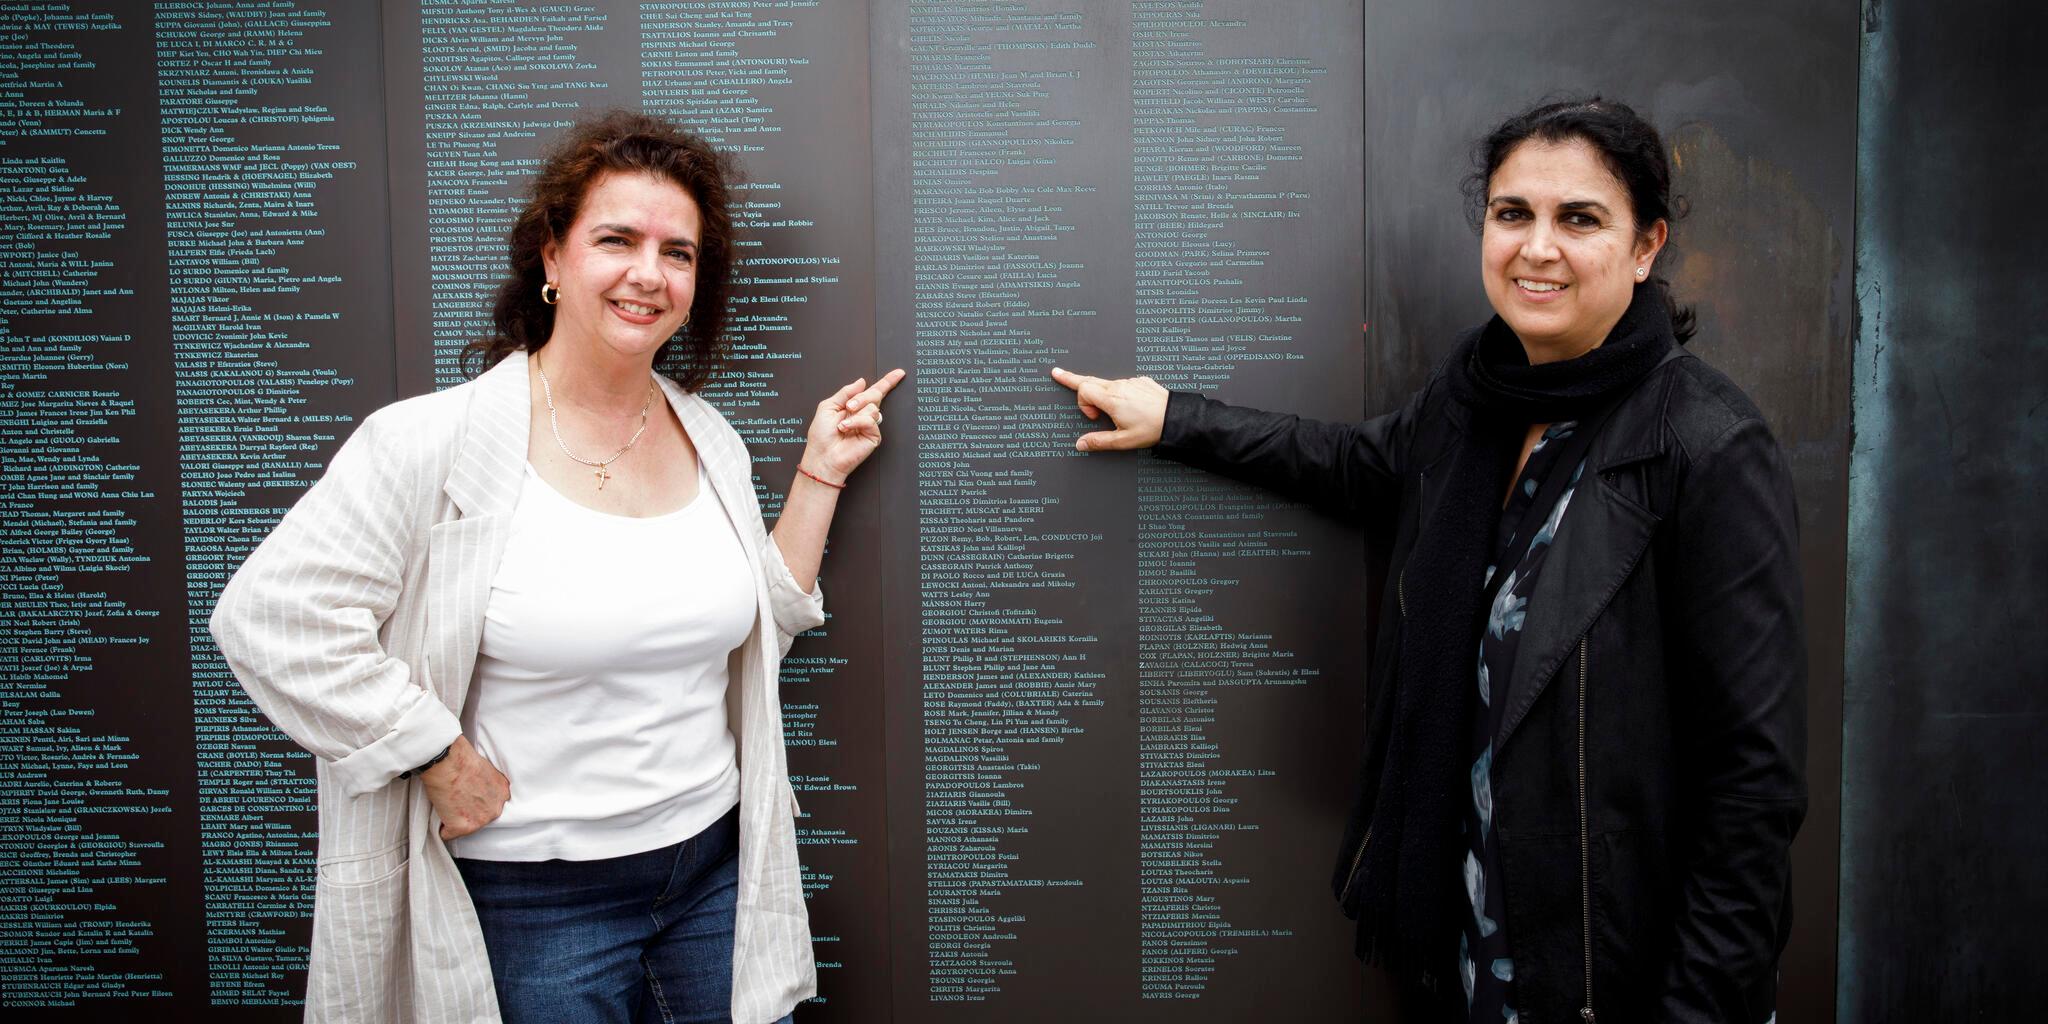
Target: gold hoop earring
{"type": "Point", "coordinates": [549, 293]}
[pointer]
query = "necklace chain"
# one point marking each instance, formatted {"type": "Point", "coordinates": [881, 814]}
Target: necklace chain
{"type": "Point", "coordinates": [603, 466]}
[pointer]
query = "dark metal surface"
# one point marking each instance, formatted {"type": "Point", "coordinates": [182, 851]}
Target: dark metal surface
{"type": "Point", "coordinates": [1943, 836]}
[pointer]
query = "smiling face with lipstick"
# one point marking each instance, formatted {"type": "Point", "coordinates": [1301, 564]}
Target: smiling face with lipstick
{"type": "Point", "coordinates": [1561, 251]}
{"type": "Point", "coordinates": [627, 268]}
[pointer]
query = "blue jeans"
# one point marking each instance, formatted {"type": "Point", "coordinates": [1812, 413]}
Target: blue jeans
{"type": "Point", "coordinates": [638, 939]}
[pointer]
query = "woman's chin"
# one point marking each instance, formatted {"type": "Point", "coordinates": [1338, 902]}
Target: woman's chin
{"type": "Point", "coordinates": [634, 344]}
{"type": "Point", "coordinates": [1537, 327]}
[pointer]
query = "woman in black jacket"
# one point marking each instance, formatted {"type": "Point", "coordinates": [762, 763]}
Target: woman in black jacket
{"type": "Point", "coordinates": [1586, 734]}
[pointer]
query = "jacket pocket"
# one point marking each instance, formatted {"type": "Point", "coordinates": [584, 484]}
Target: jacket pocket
{"type": "Point", "coordinates": [358, 869]}
{"type": "Point", "coordinates": [360, 969]}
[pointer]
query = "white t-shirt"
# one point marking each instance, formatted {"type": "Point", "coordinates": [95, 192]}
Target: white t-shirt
{"type": "Point", "coordinates": [600, 681]}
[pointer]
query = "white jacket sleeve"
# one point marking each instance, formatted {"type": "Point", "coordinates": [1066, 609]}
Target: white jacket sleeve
{"type": "Point", "coordinates": [795, 611]}
{"type": "Point", "coordinates": [298, 623]}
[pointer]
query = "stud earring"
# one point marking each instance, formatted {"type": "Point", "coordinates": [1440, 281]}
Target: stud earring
{"type": "Point", "coordinates": [1640, 271]}
{"type": "Point", "coordinates": [551, 294]}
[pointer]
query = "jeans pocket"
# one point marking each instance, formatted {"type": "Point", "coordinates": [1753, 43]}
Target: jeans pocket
{"type": "Point", "coordinates": [701, 854]}
{"type": "Point", "coordinates": [682, 871]}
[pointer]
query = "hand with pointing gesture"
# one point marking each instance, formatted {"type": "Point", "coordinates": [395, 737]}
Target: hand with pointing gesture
{"type": "Point", "coordinates": [1136, 406]}
{"type": "Point", "coordinates": [847, 428]}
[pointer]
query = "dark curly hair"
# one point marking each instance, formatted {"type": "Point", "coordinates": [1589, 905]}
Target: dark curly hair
{"type": "Point", "coordinates": [1628, 146]}
{"type": "Point", "coordinates": [620, 141]}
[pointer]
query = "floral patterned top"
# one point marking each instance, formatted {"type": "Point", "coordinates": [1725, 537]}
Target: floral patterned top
{"type": "Point", "coordinates": [1485, 964]}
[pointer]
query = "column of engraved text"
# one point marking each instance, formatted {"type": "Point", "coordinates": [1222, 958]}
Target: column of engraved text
{"type": "Point", "coordinates": [1004, 682]}
{"type": "Point", "coordinates": [249, 153]}
{"type": "Point", "coordinates": [1208, 128]}
{"type": "Point", "coordinates": [76, 800]}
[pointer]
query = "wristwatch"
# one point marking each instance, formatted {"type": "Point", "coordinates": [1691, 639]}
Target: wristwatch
{"type": "Point", "coordinates": [436, 759]}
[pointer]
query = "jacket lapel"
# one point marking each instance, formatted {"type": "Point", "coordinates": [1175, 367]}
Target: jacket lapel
{"type": "Point", "coordinates": [730, 471]}
{"type": "Point", "coordinates": [731, 474]}
{"type": "Point", "coordinates": [491, 461]}
{"type": "Point", "coordinates": [483, 483]}
{"type": "Point", "coordinates": [700, 423]}
{"type": "Point", "coordinates": [1599, 541]}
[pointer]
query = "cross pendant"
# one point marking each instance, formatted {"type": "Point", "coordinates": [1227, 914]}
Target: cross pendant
{"type": "Point", "coordinates": [602, 476]}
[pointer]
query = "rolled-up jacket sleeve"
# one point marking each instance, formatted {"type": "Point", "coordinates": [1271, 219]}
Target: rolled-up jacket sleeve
{"type": "Point", "coordinates": [794, 610]}
{"type": "Point", "coordinates": [299, 622]}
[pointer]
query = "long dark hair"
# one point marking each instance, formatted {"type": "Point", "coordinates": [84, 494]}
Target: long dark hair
{"type": "Point", "coordinates": [621, 141]}
{"type": "Point", "coordinates": [1628, 146]}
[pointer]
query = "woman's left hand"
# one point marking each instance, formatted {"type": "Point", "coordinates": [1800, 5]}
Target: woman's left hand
{"type": "Point", "coordinates": [847, 428]}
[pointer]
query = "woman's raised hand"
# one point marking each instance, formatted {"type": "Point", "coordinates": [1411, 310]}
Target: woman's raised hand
{"type": "Point", "coordinates": [1136, 405]}
{"type": "Point", "coordinates": [847, 428]}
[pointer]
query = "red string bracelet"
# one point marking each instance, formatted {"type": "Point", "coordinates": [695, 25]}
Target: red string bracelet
{"type": "Point", "coordinates": [837, 487]}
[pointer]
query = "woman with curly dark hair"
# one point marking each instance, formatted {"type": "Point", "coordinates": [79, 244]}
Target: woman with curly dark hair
{"type": "Point", "coordinates": [531, 626]}
{"type": "Point", "coordinates": [1585, 745]}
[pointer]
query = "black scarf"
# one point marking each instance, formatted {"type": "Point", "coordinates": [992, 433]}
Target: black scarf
{"type": "Point", "coordinates": [1413, 891]}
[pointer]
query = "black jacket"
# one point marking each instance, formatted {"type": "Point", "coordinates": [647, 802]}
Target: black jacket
{"type": "Point", "coordinates": [1649, 775]}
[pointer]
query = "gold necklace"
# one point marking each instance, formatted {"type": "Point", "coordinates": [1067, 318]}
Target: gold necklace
{"type": "Point", "coordinates": [603, 466]}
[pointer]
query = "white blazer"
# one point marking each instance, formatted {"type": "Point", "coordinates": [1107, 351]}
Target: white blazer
{"type": "Point", "coordinates": [355, 627]}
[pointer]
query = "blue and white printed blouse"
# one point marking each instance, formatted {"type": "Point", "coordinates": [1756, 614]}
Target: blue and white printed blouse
{"type": "Point", "coordinates": [1485, 964]}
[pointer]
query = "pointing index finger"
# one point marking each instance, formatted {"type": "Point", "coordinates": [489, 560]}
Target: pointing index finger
{"type": "Point", "coordinates": [1070, 379]}
{"type": "Point", "coordinates": [881, 389]}
{"type": "Point", "coordinates": [885, 385]}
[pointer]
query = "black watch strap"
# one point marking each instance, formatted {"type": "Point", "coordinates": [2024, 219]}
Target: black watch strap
{"type": "Point", "coordinates": [436, 759]}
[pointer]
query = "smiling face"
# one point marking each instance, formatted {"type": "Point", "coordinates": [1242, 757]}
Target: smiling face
{"type": "Point", "coordinates": [627, 267]}
{"type": "Point", "coordinates": [1560, 253]}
